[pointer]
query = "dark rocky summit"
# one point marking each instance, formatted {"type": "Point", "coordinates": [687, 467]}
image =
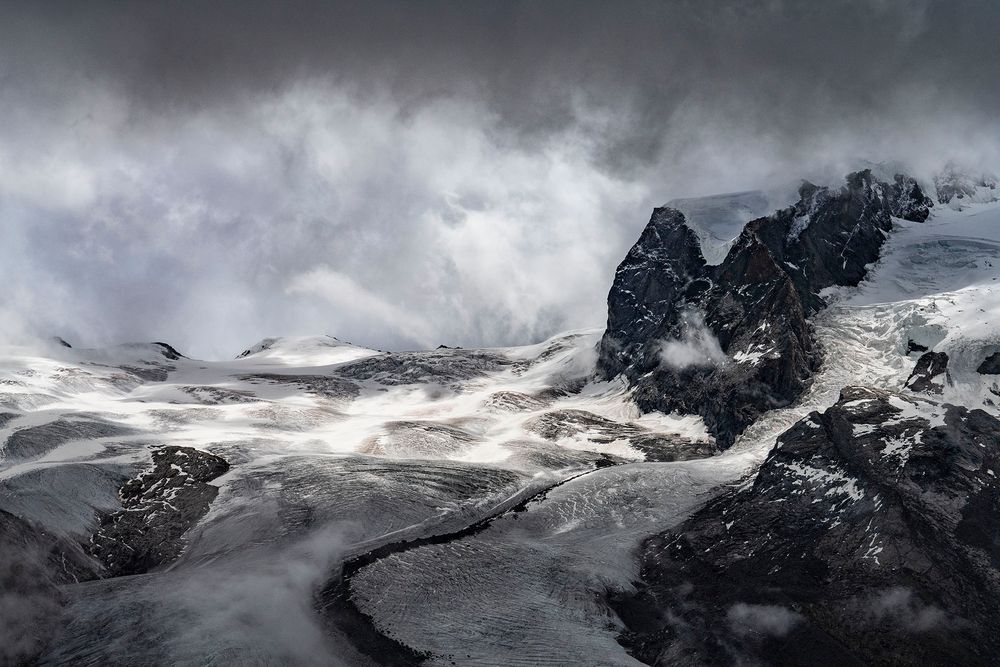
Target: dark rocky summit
{"type": "Point", "coordinates": [158, 507]}
{"type": "Point", "coordinates": [169, 352]}
{"type": "Point", "coordinates": [731, 341]}
{"type": "Point", "coordinates": [869, 536]}
{"type": "Point", "coordinates": [908, 200]}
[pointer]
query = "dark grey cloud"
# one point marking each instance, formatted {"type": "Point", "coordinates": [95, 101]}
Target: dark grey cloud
{"type": "Point", "coordinates": [408, 173]}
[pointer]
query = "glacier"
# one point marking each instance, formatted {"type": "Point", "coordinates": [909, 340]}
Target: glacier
{"type": "Point", "coordinates": [495, 505]}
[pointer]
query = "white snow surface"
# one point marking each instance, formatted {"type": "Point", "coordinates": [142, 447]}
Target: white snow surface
{"type": "Point", "coordinates": [305, 351]}
{"type": "Point", "coordinates": [719, 219]}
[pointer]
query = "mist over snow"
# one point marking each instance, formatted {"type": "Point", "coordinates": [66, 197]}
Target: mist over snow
{"type": "Point", "coordinates": [404, 175]}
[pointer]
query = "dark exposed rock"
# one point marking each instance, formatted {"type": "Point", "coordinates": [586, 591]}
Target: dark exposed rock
{"type": "Point", "coordinates": [648, 286]}
{"type": "Point", "coordinates": [754, 305]}
{"type": "Point", "coordinates": [868, 537]}
{"type": "Point", "coordinates": [929, 366]}
{"type": "Point", "coordinates": [990, 365]}
{"type": "Point", "coordinates": [169, 352]}
{"type": "Point", "coordinates": [158, 507]}
{"type": "Point", "coordinates": [8, 416]}
{"type": "Point", "coordinates": [913, 346]}
{"type": "Point", "coordinates": [908, 199]}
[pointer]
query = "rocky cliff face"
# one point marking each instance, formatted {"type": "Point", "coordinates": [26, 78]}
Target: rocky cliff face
{"type": "Point", "coordinates": [867, 537]}
{"type": "Point", "coordinates": [731, 341]}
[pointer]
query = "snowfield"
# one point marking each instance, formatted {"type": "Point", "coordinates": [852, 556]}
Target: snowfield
{"type": "Point", "coordinates": [336, 449]}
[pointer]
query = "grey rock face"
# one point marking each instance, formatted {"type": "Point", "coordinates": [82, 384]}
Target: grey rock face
{"type": "Point", "coordinates": [649, 285]}
{"type": "Point", "coordinates": [908, 199]}
{"type": "Point", "coordinates": [929, 366]}
{"type": "Point", "coordinates": [751, 310]}
{"type": "Point", "coordinates": [158, 507]}
{"type": "Point", "coordinates": [867, 537]}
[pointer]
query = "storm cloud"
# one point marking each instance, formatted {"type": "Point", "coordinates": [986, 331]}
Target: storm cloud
{"type": "Point", "coordinates": [407, 174]}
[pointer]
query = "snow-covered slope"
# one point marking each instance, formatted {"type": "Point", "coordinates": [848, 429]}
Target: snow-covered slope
{"type": "Point", "coordinates": [299, 451]}
{"type": "Point", "coordinates": [304, 351]}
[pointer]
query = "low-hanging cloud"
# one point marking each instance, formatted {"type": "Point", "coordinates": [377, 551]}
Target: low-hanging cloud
{"type": "Point", "coordinates": [190, 172]}
{"type": "Point", "coordinates": [762, 619]}
{"type": "Point", "coordinates": [696, 347]}
{"type": "Point", "coordinates": [901, 607]}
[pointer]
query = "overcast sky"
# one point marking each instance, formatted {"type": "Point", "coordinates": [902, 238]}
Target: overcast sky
{"type": "Point", "coordinates": [408, 174]}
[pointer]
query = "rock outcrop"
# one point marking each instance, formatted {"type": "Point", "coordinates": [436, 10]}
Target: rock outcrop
{"type": "Point", "coordinates": [924, 376]}
{"type": "Point", "coordinates": [868, 537]}
{"type": "Point", "coordinates": [158, 507]}
{"type": "Point", "coordinates": [731, 341]}
{"type": "Point", "coordinates": [990, 365]}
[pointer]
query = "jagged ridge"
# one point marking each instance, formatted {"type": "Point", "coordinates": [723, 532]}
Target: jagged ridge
{"type": "Point", "coordinates": [755, 304]}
